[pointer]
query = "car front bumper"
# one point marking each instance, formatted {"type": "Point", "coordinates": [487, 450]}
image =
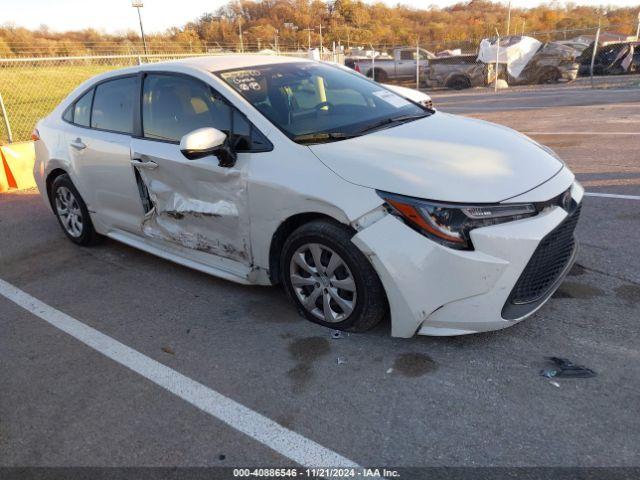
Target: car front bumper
{"type": "Point", "coordinates": [434, 290]}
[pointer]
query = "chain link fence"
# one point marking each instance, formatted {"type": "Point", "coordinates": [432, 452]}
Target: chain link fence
{"type": "Point", "coordinates": [30, 87]}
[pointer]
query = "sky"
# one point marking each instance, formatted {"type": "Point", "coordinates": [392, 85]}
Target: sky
{"type": "Point", "coordinates": [158, 15]}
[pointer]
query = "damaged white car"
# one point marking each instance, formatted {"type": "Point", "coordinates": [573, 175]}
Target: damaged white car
{"type": "Point", "coordinates": [269, 170]}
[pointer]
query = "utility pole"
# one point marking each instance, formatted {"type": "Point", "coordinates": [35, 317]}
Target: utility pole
{"type": "Point", "coordinates": [240, 33]}
{"type": "Point", "coordinates": [509, 19]}
{"type": "Point", "coordinates": [309, 30]}
{"type": "Point", "coordinates": [138, 4]}
{"type": "Point", "coordinates": [638, 28]}
{"type": "Point", "coordinates": [321, 46]}
{"type": "Point", "coordinates": [523, 23]}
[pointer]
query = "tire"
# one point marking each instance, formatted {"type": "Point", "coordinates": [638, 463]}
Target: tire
{"type": "Point", "coordinates": [549, 75]}
{"type": "Point", "coordinates": [458, 83]}
{"type": "Point", "coordinates": [76, 224]}
{"type": "Point", "coordinates": [367, 299]}
{"type": "Point", "coordinates": [380, 75]}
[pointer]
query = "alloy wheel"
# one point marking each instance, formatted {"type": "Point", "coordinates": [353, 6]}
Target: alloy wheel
{"type": "Point", "coordinates": [323, 282]}
{"type": "Point", "coordinates": [69, 212]}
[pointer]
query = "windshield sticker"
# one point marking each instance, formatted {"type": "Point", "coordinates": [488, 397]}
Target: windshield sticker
{"type": "Point", "coordinates": [244, 80]}
{"type": "Point", "coordinates": [391, 98]}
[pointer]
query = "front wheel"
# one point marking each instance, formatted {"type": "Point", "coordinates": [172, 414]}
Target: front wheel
{"type": "Point", "coordinates": [458, 83]}
{"type": "Point", "coordinates": [330, 280]}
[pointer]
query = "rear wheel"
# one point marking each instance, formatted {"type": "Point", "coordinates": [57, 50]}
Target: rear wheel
{"type": "Point", "coordinates": [549, 75]}
{"type": "Point", "coordinates": [72, 212]}
{"type": "Point", "coordinates": [330, 280]}
{"type": "Point", "coordinates": [380, 75]}
{"type": "Point", "coordinates": [458, 83]}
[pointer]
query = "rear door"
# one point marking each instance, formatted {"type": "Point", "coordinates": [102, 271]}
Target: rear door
{"type": "Point", "coordinates": [99, 141]}
{"type": "Point", "coordinates": [194, 203]}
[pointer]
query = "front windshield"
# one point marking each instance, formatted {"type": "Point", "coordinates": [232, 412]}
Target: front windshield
{"type": "Point", "coordinates": [309, 100]}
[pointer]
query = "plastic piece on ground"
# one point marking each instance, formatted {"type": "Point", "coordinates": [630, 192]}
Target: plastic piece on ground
{"type": "Point", "coordinates": [566, 369]}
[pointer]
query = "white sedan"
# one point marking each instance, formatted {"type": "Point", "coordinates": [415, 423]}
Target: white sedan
{"type": "Point", "coordinates": [362, 204]}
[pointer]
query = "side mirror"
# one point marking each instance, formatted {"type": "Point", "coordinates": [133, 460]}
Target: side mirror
{"type": "Point", "coordinates": [208, 141]}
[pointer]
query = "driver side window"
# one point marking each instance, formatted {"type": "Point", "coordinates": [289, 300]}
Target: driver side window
{"type": "Point", "coordinates": [173, 106]}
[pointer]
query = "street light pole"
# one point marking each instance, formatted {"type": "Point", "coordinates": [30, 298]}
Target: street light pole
{"type": "Point", "coordinates": [138, 4]}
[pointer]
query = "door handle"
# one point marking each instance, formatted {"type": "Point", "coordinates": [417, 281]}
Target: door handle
{"type": "Point", "coordinates": [147, 164]}
{"type": "Point", "coordinates": [78, 144]}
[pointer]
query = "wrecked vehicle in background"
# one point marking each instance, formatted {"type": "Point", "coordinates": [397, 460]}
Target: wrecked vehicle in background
{"type": "Point", "coordinates": [525, 60]}
{"type": "Point", "coordinates": [611, 59]}
{"type": "Point", "coordinates": [459, 72]}
{"type": "Point", "coordinates": [521, 61]}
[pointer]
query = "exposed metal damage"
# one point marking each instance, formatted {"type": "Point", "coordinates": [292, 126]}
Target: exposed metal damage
{"type": "Point", "coordinates": [214, 227]}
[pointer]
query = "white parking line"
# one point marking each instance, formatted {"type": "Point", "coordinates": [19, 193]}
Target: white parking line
{"type": "Point", "coordinates": [581, 133]}
{"type": "Point", "coordinates": [290, 444]}
{"type": "Point", "coordinates": [612, 195]}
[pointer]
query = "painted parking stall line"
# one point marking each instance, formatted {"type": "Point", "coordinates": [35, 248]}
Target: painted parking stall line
{"type": "Point", "coordinates": [288, 443]}
{"type": "Point", "coordinates": [582, 133]}
{"type": "Point", "coordinates": [612, 195]}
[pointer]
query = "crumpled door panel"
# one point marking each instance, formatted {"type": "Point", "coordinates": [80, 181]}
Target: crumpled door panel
{"type": "Point", "coordinates": [198, 206]}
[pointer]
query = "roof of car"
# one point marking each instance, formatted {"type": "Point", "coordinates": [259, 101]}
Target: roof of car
{"type": "Point", "coordinates": [216, 63]}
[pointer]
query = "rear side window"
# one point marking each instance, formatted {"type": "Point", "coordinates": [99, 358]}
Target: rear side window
{"type": "Point", "coordinates": [407, 55]}
{"type": "Point", "coordinates": [82, 110]}
{"type": "Point", "coordinates": [113, 105]}
{"type": "Point", "coordinates": [173, 106]}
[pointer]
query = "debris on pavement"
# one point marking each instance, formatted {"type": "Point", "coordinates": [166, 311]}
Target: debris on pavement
{"type": "Point", "coordinates": [555, 384]}
{"type": "Point", "coordinates": [342, 360]}
{"type": "Point", "coordinates": [566, 369]}
{"type": "Point", "coordinates": [390, 370]}
{"type": "Point", "coordinates": [336, 334]}
{"type": "Point", "coordinates": [169, 350]}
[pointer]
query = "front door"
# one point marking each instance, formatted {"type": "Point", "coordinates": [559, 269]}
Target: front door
{"type": "Point", "coordinates": [192, 203]}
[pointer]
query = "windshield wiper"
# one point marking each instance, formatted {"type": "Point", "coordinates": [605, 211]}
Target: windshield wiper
{"type": "Point", "coordinates": [391, 120]}
{"type": "Point", "coordinates": [321, 137]}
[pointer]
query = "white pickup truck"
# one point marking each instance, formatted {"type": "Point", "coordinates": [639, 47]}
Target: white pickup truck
{"type": "Point", "coordinates": [401, 65]}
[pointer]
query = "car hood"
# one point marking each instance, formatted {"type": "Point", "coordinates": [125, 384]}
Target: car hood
{"type": "Point", "coordinates": [443, 157]}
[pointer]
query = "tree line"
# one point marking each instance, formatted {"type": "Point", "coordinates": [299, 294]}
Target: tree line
{"type": "Point", "coordinates": [252, 25]}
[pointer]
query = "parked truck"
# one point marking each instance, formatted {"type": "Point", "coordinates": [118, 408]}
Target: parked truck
{"type": "Point", "coordinates": [402, 64]}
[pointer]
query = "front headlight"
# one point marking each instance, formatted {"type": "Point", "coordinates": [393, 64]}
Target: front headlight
{"type": "Point", "coordinates": [450, 224]}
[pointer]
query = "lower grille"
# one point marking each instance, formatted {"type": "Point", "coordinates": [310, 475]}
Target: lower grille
{"type": "Point", "coordinates": [547, 263]}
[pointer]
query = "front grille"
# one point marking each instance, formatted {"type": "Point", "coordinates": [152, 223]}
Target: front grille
{"type": "Point", "coordinates": [547, 263]}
